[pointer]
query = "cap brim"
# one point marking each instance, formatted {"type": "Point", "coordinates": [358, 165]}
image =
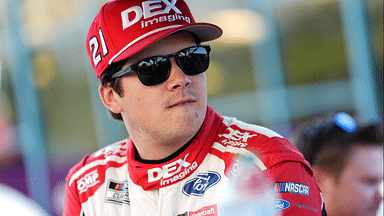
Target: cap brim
{"type": "Point", "coordinates": [204, 31]}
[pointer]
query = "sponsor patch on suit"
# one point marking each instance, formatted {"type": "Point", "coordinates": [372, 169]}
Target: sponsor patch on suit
{"type": "Point", "coordinates": [117, 192]}
{"type": "Point", "coordinates": [291, 187]}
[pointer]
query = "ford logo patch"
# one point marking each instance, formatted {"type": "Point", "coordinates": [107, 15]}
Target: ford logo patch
{"type": "Point", "coordinates": [201, 183]}
{"type": "Point", "coordinates": [280, 204]}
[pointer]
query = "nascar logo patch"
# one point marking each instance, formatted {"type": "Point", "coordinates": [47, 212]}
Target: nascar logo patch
{"type": "Point", "coordinates": [117, 192]}
{"type": "Point", "coordinates": [291, 187]}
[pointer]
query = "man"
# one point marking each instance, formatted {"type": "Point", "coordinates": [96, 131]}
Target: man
{"type": "Point", "coordinates": [348, 165]}
{"type": "Point", "coordinates": [151, 65]}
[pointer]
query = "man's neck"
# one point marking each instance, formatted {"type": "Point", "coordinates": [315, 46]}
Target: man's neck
{"type": "Point", "coordinates": [172, 156]}
{"type": "Point", "coordinates": [156, 150]}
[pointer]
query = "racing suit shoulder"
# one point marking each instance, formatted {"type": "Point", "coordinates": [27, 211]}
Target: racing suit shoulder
{"type": "Point", "coordinates": [270, 147]}
{"type": "Point", "coordinates": [88, 175]}
{"type": "Point", "coordinates": [291, 174]}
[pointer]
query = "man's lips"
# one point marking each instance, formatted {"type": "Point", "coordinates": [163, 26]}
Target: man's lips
{"type": "Point", "coordinates": [182, 102]}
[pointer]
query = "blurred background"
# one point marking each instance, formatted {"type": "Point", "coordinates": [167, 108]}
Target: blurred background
{"type": "Point", "coordinates": [278, 64]}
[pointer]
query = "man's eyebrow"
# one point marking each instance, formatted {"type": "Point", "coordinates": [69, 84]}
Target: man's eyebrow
{"type": "Point", "coordinates": [371, 179]}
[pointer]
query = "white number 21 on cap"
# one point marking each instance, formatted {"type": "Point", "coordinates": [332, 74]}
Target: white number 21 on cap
{"type": "Point", "coordinates": [94, 46]}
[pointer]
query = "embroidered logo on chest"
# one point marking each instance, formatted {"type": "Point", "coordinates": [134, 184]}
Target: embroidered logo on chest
{"type": "Point", "coordinates": [171, 172]}
{"type": "Point", "coordinates": [117, 192]}
{"type": "Point", "coordinates": [198, 185]}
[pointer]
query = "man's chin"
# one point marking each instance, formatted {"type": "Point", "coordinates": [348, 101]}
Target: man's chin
{"type": "Point", "coordinates": [187, 119]}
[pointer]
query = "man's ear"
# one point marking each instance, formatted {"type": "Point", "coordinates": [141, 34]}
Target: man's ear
{"type": "Point", "coordinates": [110, 99]}
{"type": "Point", "coordinates": [326, 182]}
{"type": "Point", "coordinates": [322, 177]}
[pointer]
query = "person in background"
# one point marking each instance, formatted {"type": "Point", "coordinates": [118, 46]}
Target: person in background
{"type": "Point", "coordinates": [347, 161]}
{"type": "Point", "coordinates": [151, 64]}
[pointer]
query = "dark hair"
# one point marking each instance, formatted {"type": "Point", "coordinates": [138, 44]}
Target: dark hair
{"type": "Point", "coordinates": [106, 79]}
{"type": "Point", "coordinates": [329, 145]}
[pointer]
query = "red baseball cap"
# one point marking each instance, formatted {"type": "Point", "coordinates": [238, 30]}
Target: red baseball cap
{"type": "Point", "coordinates": [123, 28]}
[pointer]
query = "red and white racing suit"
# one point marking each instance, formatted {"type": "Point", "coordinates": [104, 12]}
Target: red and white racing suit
{"type": "Point", "coordinates": [112, 182]}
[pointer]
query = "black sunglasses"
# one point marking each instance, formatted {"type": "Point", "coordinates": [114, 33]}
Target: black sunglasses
{"type": "Point", "coordinates": [156, 69]}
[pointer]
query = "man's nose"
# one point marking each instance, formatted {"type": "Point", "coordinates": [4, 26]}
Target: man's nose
{"type": "Point", "coordinates": [177, 79]}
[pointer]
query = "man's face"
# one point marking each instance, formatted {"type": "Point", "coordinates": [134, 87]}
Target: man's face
{"type": "Point", "coordinates": [358, 190]}
{"type": "Point", "coordinates": [172, 110]}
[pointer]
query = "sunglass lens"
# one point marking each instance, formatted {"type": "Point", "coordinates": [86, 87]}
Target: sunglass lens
{"type": "Point", "coordinates": [153, 71]}
{"type": "Point", "coordinates": [194, 60]}
{"type": "Point", "coordinates": [156, 70]}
